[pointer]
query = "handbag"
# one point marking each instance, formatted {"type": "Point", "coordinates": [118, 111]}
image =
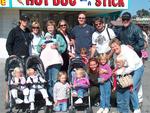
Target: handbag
{"type": "Point", "coordinates": [125, 80]}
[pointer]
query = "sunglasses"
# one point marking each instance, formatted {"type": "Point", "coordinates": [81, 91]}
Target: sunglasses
{"type": "Point", "coordinates": [63, 25]}
{"type": "Point", "coordinates": [35, 28]}
{"type": "Point", "coordinates": [81, 18]}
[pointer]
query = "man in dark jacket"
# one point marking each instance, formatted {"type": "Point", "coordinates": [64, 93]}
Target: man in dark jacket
{"type": "Point", "coordinates": [19, 39]}
{"type": "Point", "coordinates": [131, 34]}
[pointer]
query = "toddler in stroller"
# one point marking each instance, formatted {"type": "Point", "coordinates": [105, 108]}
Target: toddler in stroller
{"type": "Point", "coordinates": [36, 82]}
{"type": "Point", "coordinates": [18, 83]}
{"type": "Point", "coordinates": [80, 84]}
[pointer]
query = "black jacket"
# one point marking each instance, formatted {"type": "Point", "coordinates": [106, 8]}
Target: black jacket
{"type": "Point", "coordinates": [18, 42]}
{"type": "Point", "coordinates": [132, 35]}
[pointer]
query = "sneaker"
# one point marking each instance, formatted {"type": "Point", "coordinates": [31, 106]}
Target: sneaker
{"type": "Point", "coordinates": [18, 101]}
{"type": "Point", "coordinates": [79, 101]}
{"type": "Point", "coordinates": [137, 111]}
{"type": "Point", "coordinates": [26, 101]}
{"type": "Point", "coordinates": [106, 110]}
{"type": "Point", "coordinates": [32, 106]}
{"type": "Point", "coordinates": [48, 103]}
{"type": "Point", "coordinates": [100, 110]}
{"type": "Point", "coordinates": [97, 104]}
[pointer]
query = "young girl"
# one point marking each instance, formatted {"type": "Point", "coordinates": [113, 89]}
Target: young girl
{"type": "Point", "coordinates": [123, 94]}
{"type": "Point", "coordinates": [33, 79]}
{"type": "Point", "coordinates": [18, 83]}
{"type": "Point", "coordinates": [84, 55]}
{"type": "Point", "coordinates": [61, 92]}
{"type": "Point", "coordinates": [80, 83]}
{"type": "Point", "coordinates": [105, 73]}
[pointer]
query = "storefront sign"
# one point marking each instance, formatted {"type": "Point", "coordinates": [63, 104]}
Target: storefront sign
{"type": "Point", "coordinates": [4, 3]}
{"type": "Point", "coordinates": [71, 4]}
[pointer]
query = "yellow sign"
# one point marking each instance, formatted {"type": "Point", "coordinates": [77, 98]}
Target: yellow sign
{"type": "Point", "coordinates": [3, 2]}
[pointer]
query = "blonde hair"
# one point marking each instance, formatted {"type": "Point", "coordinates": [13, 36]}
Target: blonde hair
{"type": "Point", "coordinates": [15, 70]}
{"type": "Point", "coordinates": [80, 71]}
{"type": "Point", "coordinates": [83, 51]}
{"type": "Point", "coordinates": [120, 58]}
{"type": "Point", "coordinates": [29, 69]}
{"type": "Point", "coordinates": [35, 23]}
{"type": "Point", "coordinates": [62, 73]}
{"type": "Point", "coordinates": [103, 56]}
{"type": "Point", "coordinates": [114, 40]}
{"type": "Point", "coordinates": [51, 23]}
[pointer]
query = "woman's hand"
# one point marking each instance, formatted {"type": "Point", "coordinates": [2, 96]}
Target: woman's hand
{"type": "Point", "coordinates": [54, 46]}
{"type": "Point", "coordinates": [43, 46]}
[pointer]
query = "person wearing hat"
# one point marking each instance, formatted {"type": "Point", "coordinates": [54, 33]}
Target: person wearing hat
{"type": "Point", "coordinates": [19, 38]}
{"type": "Point", "coordinates": [131, 35]}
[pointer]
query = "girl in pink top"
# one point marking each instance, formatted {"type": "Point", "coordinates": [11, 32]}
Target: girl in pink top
{"type": "Point", "coordinates": [81, 84]}
{"type": "Point", "coordinates": [105, 73]}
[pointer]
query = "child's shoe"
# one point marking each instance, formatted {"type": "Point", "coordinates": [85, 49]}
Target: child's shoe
{"type": "Point", "coordinates": [100, 110]}
{"type": "Point", "coordinates": [79, 101]}
{"type": "Point", "coordinates": [137, 111]}
{"type": "Point", "coordinates": [106, 110]}
{"type": "Point", "coordinates": [32, 106]}
{"type": "Point", "coordinates": [48, 103]}
{"type": "Point", "coordinates": [26, 101]}
{"type": "Point", "coordinates": [18, 101]}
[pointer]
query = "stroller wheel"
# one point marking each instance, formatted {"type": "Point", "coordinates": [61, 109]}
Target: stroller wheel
{"type": "Point", "coordinates": [48, 109]}
{"type": "Point", "coordinates": [72, 110]}
{"type": "Point", "coordinates": [89, 110]}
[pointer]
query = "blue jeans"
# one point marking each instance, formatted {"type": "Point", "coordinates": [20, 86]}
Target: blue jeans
{"type": "Point", "coordinates": [61, 107]}
{"type": "Point", "coordinates": [105, 92]}
{"type": "Point", "coordinates": [52, 73]}
{"type": "Point", "coordinates": [81, 92]}
{"type": "Point", "coordinates": [123, 99]}
{"type": "Point", "coordinates": [136, 84]}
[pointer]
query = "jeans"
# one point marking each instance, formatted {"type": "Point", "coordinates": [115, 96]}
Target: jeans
{"type": "Point", "coordinates": [52, 73]}
{"type": "Point", "coordinates": [123, 99]}
{"type": "Point", "coordinates": [81, 92]}
{"type": "Point", "coordinates": [136, 84]}
{"type": "Point", "coordinates": [61, 107]}
{"type": "Point", "coordinates": [105, 92]}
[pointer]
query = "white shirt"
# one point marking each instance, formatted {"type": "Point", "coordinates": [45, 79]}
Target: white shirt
{"type": "Point", "coordinates": [133, 60]}
{"type": "Point", "coordinates": [101, 40]}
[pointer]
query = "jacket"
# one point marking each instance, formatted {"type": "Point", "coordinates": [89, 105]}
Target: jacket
{"type": "Point", "coordinates": [18, 42]}
{"type": "Point", "coordinates": [132, 35]}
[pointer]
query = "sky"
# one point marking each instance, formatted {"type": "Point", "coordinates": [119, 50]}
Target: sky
{"type": "Point", "coordinates": [135, 5]}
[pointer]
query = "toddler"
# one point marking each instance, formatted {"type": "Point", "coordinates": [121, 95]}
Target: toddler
{"type": "Point", "coordinates": [84, 55]}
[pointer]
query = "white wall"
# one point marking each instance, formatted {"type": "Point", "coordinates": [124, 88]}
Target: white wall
{"type": "Point", "coordinates": [8, 19]}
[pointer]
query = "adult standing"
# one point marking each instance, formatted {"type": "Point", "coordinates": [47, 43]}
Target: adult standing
{"type": "Point", "coordinates": [101, 38]}
{"type": "Point", "coordinates": [130, 34]}
{"type": "Point", "coordinates": [135, 67]}
{"type": "Point", "coordinates": [93, 72]}
{"type": "Point", "coordinates": [19, 38]}
{"type": "Point", "coordinates": [63, 31]}
{"type": "Point", "coordinates": [82, 34]}
{"type": "Point", "coordinates": [36, 39]}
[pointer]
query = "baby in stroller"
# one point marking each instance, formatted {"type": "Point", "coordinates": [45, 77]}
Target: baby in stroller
{"type": "Point", "coordinates": [80, 84]}
{"type": "Point", "coordinates": [18, 83]}
{"type": "Point", "coordinates": [36, 82]}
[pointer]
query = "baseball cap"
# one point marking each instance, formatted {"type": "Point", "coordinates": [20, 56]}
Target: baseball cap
{"type": "Point", "coordinates": [24, 18]}
{"type": "Point", "coordinates": [126, 16]}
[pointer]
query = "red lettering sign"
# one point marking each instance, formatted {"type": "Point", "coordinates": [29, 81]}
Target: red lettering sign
{"type": "Point", "coordinates": [64, 2]}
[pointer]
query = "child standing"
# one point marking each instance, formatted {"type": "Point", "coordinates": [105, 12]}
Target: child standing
{"type": "Point", "coordinates": [123, 94]}
{"type": "Point", "coordinates": [33, 79]}
{"type": "Point", "coordinates": [18, 83]}
{"type": "Point", "coordinates": [61, 92]}
{"type": "Point", "coordinates": [81, 84]}
{"type": "Point", "coordinates": [105, 73]}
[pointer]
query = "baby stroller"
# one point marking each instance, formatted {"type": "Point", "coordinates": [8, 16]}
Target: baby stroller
{"type": "Point", "coordinates": [75, 64]}
{"type": "Point", "coordinates": [11, 63]}
{"type": "Point", "coordinates": [36, 63]}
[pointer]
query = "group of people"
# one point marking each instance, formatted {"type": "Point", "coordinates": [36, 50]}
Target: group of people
{"type": "Point", "coordinates": [105, 52]}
